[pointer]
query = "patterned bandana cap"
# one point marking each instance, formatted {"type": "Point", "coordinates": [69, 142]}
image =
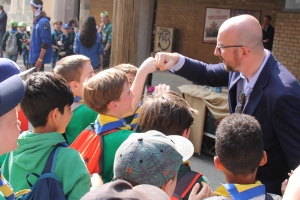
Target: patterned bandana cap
{"type": "Point", "coordinates": [151, 158]}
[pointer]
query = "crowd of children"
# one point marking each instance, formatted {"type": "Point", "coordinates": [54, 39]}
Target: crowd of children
{"type": "Point", "coordinates": [109, 141]}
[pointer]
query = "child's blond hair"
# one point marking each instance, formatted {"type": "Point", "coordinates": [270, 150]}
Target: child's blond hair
{"type": "Point", "coordinates": [70, 67]}
{"type": "Point", "coordinates": [104, 87]}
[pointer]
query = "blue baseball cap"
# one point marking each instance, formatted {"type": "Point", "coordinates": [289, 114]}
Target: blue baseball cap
{"type": "Point", "coordinates": [66, 26]}
{"type": "Point", "coordinates": [12, 91]}
{"type": "Point", "coordinates": [8, 68]}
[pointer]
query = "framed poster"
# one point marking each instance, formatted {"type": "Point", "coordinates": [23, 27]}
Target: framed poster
{"type": "Point", "coordinates": [254, 13]}
{"type": "Point", "coordinates": [291, 6]}
{"type": "Point", "coordinates": [214, 18]}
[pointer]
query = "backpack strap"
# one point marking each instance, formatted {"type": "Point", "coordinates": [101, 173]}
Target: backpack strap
{"type": "Point", "coordinates": [50, 164]}
{"type": "Point", "coordinates": [185, 184]}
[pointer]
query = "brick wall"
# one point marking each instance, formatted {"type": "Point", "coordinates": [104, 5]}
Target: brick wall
{"type": "Point", "coordinates": [97, 6]}
{"type": "Point", "coordinates": [287, 41]}
{"type": "Point", "coordinates": [187, 17]}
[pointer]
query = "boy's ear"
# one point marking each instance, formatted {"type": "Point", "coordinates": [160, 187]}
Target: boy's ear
{"type": "Point", "coordinates": [113, 105]}
{"type": "Point", "coordinates": [218, 163]}
{"type": "Point", "coordinates": [73, 85]}
{"type": "Point", "coordinates": [167, 187]}
{"type": "Point", "coordinates": [53, 115]}
{"type": "Point", "coordinates": [264, 159]}
{"type": "Point", "coordinates": [186, 133]}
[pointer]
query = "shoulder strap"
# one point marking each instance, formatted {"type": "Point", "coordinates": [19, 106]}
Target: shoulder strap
{"type": "Point", "coordinates": [185, 184]}
{"type": "Point", "coordinates": [96, 126]}
{"type": "Point", "coordinates": [51, 161]}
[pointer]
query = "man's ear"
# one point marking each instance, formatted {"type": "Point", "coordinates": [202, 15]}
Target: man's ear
{"type": "Point", "coordinates": [264, 159]}
{"type": "Point", "coordinates": [218, 163]}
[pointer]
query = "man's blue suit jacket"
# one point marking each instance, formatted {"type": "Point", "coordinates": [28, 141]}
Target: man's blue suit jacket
{"type": "Point", "coordinates": [274, 102]}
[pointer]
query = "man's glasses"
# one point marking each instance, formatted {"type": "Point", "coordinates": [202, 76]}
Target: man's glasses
{"type": "Point", "coordinates": [224, 47]}
{"type": "Point", "coordinates": [241, 100]}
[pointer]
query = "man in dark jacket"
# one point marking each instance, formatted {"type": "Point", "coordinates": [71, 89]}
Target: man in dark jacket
{"type": "Point", "coordinates": [268, 33]}
{"type": "Point", "coordinates": [3, 21]}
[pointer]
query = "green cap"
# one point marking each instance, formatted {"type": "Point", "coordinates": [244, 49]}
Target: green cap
{"type": "Point", "coordinates": [104, 13]}
{"type": "Point", "coordinates": [22, 24]}
{"type": "Point", "coordinates": [14, 23]}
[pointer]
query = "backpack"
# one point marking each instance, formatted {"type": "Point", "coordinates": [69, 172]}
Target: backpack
{"type": "Point", "coordinates": [11, 44]}
{"type": "Point", "coordinates": [185, 184]}
{"type": "Point", "coordinates": [47, 187]}
{"type": "Point", "coordinates": [90, 145]}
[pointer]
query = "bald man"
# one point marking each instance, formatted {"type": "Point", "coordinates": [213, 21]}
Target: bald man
{"type": "Point", "coordinates": [258, 85]}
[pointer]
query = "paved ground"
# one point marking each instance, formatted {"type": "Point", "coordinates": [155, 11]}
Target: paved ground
{"type": "Point", "coordinates": [202, 163]}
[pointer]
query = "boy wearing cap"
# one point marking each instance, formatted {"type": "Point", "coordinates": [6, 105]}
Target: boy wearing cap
{"type": "Point", "coordinates": [110, 94]}
{"type": "Point", "coordinates": [14, 39]}
{"type": "Point", "coordinates": [239, 152]}
{"type": "Point", "coordinates": [106, 31]}
{"type": "Point", "coordinates": [11, 94]}
{"type": "Point", "coordinates": [25, 48]}
{"type": "Point", "coordinates": [76, 69]}
{"type": "Point", "coordinates": [65, 42]}
{"type": "Point", "coordinates": [49, 122]}
{"type": "Point", "coordinates": [153, 158]}
{"type": "Point", "coordinates": [55, 35]}
{"type": "Point", "coordinates": [170, 113]}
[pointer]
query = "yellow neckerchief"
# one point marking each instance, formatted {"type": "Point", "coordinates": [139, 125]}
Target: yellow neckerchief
{"type": "Point", "coordinates": [135, 120]}
{"type": "Point", "coordinates": [104, 119]}
{"type": "Point", "coordinates": [6, 189]}
{"type": "Point", "coordinates": [222, 191]}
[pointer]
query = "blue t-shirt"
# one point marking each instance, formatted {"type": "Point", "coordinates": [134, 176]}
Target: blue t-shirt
{"type": "Point", "coordinates": [93, 52]}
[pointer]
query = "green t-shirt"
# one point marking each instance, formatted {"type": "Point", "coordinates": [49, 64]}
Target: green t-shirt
{"type": "Point", "coordinates": [111, 143]}
{"type": "Point", "coordinates": [107, 35]}
{"type": "Point", "coordinates": [82, 118]}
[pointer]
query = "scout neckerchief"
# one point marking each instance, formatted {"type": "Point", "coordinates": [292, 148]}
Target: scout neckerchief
{"type": "Point", "coordinates": [241, 191]}
{"type": "Point", "coordinates": [76, 103]}
{"type": "Point", "coordinates": [134, 122]}
{"type": "Point", "coordinates": [6, 188]}
{"type": "Point", "coordinates": [106, 123]}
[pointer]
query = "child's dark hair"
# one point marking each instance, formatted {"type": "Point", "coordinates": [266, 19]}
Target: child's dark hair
{"type": "Point", "coordinates": [166, 112]}
{"type": "Point", "coordinates": [239, 144]}
{"type": "Point", "coordinates": [45, 91]}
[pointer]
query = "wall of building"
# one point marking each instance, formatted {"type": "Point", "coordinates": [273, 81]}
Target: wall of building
{"type": "Point", "coordinates": [188, 19]}
{"type": "Point", "coordinates": [97, 6]}
{"type": "Point", "coordinates": [287, 41]}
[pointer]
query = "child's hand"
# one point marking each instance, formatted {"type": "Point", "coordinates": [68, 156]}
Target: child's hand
{"type": "Point", "coordinates": [149, 65]}
{"type": "Point", "coordinates": [96, 180]}
{"type": "Point", "coordinates": [205, 192]}
{"type": "Point", "coordinates": [161, 88]}
{"type": "Point", "coordinates": [284, 183]}
{"type": "Point", "coordinates": [25, 41]}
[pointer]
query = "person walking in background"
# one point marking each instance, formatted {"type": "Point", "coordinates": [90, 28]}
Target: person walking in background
{"type": "Point", "coordinates": [106, 31]}
{"type": "Point", "coordinates": [11, 43]}
{"type": "Point", "coordinates": [55, 37]}
{"type": "Point", "coordinates": [89, 43]}
{"type": "Point", "coordinates": [65, 42]}
{"type": "Point", "coordinates": [268, 33]}
{"type": "Point", "coordinates": [25, 48]}
{"type": "Point", "coordinates": [3, 22]}
{"type": "Point", "coordinates": [40, 43]}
